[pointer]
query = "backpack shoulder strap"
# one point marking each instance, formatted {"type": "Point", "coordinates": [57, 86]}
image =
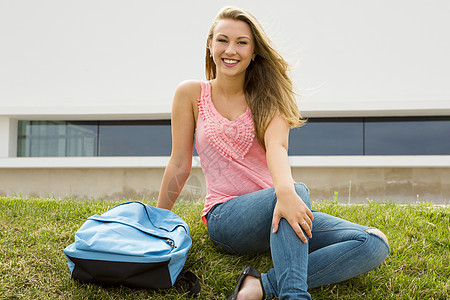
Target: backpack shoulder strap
{"type": "Point", "coordinates": [188, 281]}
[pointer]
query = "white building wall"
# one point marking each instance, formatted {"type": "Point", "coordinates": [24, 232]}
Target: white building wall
{"type": "Point", "coordinates": [8, 137]}
{"type": "Point", "coordinates": [110, 53]}
{"type": "Point", "coordinates": [117, 59]}
{"type": "Point", "coordinates": [4, 137]}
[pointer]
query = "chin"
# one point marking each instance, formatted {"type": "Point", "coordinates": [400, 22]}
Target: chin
{"type": "Point", "coordinates": [232, 73]}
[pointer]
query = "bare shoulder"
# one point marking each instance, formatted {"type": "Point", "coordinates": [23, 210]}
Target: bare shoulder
{"type": "Point", "coordinates": [186, 96]}
{"type": "Point", "coordinates": [190, 89]}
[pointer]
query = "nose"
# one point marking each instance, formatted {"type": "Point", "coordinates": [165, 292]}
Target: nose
{"type": "Point", "coordinates": [230, 50]}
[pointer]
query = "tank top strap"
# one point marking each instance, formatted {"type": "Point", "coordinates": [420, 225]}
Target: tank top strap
{"type": "Point", "coordinates": [206, 89]}
{"type": "Point", "coordinates": [204, 102]}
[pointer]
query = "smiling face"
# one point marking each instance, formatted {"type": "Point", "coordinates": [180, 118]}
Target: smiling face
{"type": "Point", "coordinates": [232, 47]}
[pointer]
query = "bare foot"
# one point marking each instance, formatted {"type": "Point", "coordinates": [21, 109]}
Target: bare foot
{"type": "Point", "coordinates": [251, 289]}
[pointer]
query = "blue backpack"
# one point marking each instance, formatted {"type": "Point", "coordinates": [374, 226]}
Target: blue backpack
{"type": "Point", "coordinates": [135, 245]}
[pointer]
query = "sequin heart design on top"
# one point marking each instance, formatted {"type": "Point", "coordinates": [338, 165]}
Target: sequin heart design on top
{"type": "Point", "coordinates": [233, 139]}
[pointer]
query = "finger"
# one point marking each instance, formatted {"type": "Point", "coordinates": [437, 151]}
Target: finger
{"type": "Point", "coordinates": [307, 227]}
{"type": "Point", "coordinates": [310, 215]}
{"type": "Point", "coordinates": [309, 219]}
{"type": "Point", "coordinates": [298, 230]}
{"type": "Point", "coordinates": [275, 221]}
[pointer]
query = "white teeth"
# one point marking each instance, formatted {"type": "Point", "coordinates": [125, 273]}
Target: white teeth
{"type": "Point", "coordinates": [230, 61]}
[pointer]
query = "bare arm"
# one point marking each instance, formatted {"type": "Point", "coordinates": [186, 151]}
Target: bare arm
{"type": "Point", "coordinates": [289, 205]}
{"type": "Point", "coordinates": [183, 127]}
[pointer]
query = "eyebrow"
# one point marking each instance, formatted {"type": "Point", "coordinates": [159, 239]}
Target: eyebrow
{"type": "Point", "coordinates": [240, 37]}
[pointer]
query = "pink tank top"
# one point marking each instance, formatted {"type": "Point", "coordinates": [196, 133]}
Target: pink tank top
{"type": "Point", "coordinates": [233, 161]}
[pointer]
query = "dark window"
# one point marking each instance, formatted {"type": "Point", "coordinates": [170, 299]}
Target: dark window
{"type": "Point", "coordinates": [42, 138]}
{"type": "Point", "coordinates": [135, 138]}
{"type": "Point", "coordinates": [82, 139]}
{"type": "Point", "coordinates": [328, 136]}
{"type": "Point", "coordinates": [319, 136]}
{"type": "Point", "coordinates": [93, 138]}
{"type": "Point", "coordinates": [408, 136]}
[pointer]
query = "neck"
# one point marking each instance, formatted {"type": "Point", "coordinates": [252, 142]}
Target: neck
{"type": "Point", "coordinates": [230, 86]}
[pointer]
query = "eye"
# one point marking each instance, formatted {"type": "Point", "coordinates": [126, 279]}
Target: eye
{"type": "Point", "coordinates": [242, 43]}
{"type": "Point", "coordinates": [222, 40]}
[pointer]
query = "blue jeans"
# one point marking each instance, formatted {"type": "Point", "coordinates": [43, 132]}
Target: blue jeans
{"type": "Point", "coordinates": [338, 249]}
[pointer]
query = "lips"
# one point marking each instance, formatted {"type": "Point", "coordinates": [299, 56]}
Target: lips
{"type": "Point", "coordinates": [230, 62]}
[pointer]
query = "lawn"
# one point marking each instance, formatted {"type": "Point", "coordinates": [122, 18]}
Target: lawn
{"type": "Point", "coordinates": [33, 233]}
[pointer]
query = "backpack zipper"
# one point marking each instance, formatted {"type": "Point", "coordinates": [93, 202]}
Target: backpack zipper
{"type": "Point", "coordinates": [171, 243]}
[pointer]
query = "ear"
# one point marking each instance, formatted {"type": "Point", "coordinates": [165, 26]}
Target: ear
{"type": "Point", "coordinates": [209, 48]}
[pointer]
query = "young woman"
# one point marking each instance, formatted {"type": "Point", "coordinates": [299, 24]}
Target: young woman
{"type": "Point", "coordinates": [240, 120]}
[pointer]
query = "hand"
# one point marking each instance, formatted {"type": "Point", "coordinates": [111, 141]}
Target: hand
{"type": "Point", "coordinates": [292, 208]}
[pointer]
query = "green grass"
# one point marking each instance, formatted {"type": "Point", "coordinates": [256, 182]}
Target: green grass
{"type": "Point", "coordinates": [33, 233]}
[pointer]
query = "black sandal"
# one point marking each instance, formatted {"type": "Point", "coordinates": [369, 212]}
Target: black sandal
{"type": "Point", "coordinates": [248, 270]}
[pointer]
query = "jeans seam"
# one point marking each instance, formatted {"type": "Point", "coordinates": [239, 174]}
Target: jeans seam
{"type": "Point", "coordinates": [342, 257]}
{"type": "Point", "coordinates": [228, 249]}
{"type": "Point", "coordinates": [267, 286]}
{"type": "Point", "coordinates": [337, 228]}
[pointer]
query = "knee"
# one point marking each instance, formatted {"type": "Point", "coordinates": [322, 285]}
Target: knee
{"type": "Point", "coordinates": [302, 190]}
{"type": "Point", "coordinates": [378, 248]}
{"type": "Point", "coordinates": [379, 233]}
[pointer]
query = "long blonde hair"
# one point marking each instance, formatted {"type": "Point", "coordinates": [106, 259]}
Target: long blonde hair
{"type": "Point", "coordinates": [267, 86]}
